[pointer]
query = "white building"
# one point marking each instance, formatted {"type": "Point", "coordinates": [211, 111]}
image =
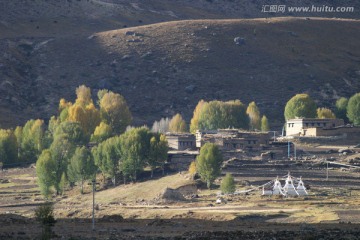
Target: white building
{"type": "Point", "coordinates": [299, 126]}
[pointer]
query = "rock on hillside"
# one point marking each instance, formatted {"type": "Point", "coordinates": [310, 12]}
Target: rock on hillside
{"type": "Point", "coordinates": [166, 68]}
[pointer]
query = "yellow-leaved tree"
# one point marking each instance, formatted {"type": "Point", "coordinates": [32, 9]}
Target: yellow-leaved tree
{"type": "Point", "coordinates": [254, 116]}
{"type": "Point", "coordinates": [177, 124]}
{"type": "Point", "coordinates": [115, 112]}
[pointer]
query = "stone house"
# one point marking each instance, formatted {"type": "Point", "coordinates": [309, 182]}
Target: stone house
{"type": "Point", "coordinates": [233, 139]}
{"type": "Point", "coordinates": [181, 141]}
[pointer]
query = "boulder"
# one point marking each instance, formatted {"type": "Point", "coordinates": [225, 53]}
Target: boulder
{"type": "Point", "coordinates": [239, 41]}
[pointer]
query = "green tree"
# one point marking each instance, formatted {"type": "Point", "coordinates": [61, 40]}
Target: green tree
{"type": "Point", "coordinates": [235, 115]}
{"type": "Point", "coordinates": [254, 116]}
{"type": "Point", "coordinates": [208, 163]}
{"type": "Point", "coordinates": [61, 151]}
{"type": "Point", "coordinates": [107, 157]}
{"type": "Point", "coordinates": [101, 133]}
{"type": "Point", "coordinates": [217, 114]}
{"type": "Point", "coordinates": [325, 113]}
{"type": "Point", "coordinates": [8, 147]}
{"type": "Point", "coordinates": [18, 134]}
{"type": "Point", "coordinates": [341, 105]}
{"type": "Point", "coordinates": [158, 152]}
{"type": "Point", "coordinates": [177, 124]}
{"type": "Point", "coordinates": [264, 124]}
{"type": "Point", "coordinates": [32, 142]}
{"type": "Point", "coordinates": [301, 105]}
{"type": "Point", "coordinates": [228, 184]}
{"type": "Point", "coordinates": [45, 171]}
{"type": "Point", "coordinates": [353, 109]}
{"type": "Point", "coordinates": [115, 112]}
{"type": "Point", "coordinates": [64, 183]}
{"type": "Point", "coordinates": [81, 166]}
{"type": "Point", "coordinates": [72, 131]}
{"type": "Point", "coordinates": [135, 147]}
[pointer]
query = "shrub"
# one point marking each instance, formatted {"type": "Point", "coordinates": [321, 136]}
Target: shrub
{"type": "Point", "coordinates": [45, 214]}
{"type": "Point", "coordinates": [228, 184]}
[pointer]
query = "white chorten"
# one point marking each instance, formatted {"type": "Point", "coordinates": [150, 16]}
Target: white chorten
{"type": "Point", "coordinates": [289, 188]}
{"type": "Point", "coordinates": [277, 189]}
{"type": "Point", "coordinates": [301, 189]}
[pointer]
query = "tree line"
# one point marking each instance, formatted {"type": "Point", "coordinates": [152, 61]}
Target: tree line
{"type": "Point", "coordinates": [302, 105]}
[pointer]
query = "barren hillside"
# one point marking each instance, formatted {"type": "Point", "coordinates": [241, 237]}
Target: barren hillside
{"type": "Point", "coordinates": [168, 67]}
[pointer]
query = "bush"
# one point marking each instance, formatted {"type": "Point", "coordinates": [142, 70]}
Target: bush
{"type": "Point", "coordinates": [45, 214]}
{"type": "Point", "coordinates": [228, 184]}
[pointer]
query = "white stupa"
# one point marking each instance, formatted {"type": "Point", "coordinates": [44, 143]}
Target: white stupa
{"type": "Point", "coordinates": [289, 188]}
{"type": "Point", "coordinates": [301, 189]}
{"type": "Point", "coordinates": [277, 189]}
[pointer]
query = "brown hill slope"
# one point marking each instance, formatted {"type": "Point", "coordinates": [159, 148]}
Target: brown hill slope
{"type": "Point", "coordinates": [166, 68]}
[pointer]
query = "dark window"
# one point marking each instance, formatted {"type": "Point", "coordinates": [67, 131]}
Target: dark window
{"type": "Point", "coordinates": [289, 124]}
{"type": "Point", "coordinates": [318, 124]}
{"type": "Point", "coordinates": [307, 124]}
{"type": "Point", "coordinates": [324, 124]}
{"type": "Point", "coordinates": [312, 124]}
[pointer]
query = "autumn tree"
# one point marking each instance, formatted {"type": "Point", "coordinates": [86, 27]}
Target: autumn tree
{"type": "Point", "coordinates": [301, 105]}
{"type": "Point", "coordinates": [353, 109]}
{"type": "Point", "coordinates": [177, 124]}
{"type": "Point", "coordinates": [87, 116]}
{"type": "Point", "coordinates": [341, 105]}
{"type": "Point", "coordinates": [115, 112]}
{"type": "Point", "coordinates": [45, 172]}
{"type": "Point", "coordinates": [83, 96]}
{"type": "Point", "coordinates": [264, 124]}
{"type": "Point", "coordinates": [158, 152]}
{"type": "Point", "coordinates": [194, 124]}
{"type": "Point", "coordinates": [254, 115]}
{"type": "Point", "coordinates": [325, 113]}
{"type": "Point", "coordinates": [101, 133]}
{"type": "Point", "coordinates": [192, 169]}
{"type": "Point", "coordinates": [81, 167]}
{"type": "Point", "coordinates": [208, 163]}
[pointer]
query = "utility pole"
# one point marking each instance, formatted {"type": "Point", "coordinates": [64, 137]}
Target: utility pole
{"type": "Point", "coordinates": [288, 150]}
{"type": "Point", "coordinates": [93, 210]}
{"type": "Point", "coordinates": [274, 135]}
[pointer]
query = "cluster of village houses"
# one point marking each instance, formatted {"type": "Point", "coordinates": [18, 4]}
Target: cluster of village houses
{"type": "Point", "coordinates": [184, 147]}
